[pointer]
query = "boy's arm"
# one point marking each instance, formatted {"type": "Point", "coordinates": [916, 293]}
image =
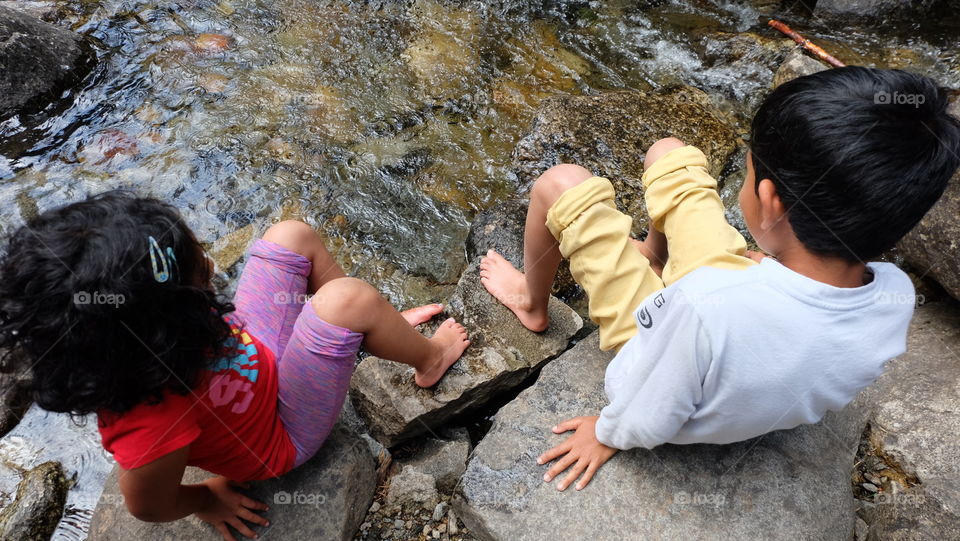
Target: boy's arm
{"type": "Point", "coordinates": [683, 203]}
{"type": "Point", "coordinates": [667, 358]}
{"type": "Point", "coordinates": [153, 493]}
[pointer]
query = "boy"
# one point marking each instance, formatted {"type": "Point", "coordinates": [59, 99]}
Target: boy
{"type": "Point", "coordinates": [717, 344]}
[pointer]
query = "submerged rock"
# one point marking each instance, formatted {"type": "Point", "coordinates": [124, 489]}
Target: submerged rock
{"type": "Point", "coordinates": [797, 64]}
{"type": "Point", "coordinates": [36, 511]}
{"type": "Point", "coordinates": [38, 62]}
{"type": "Point", "coordinates": [789, 484]}
{"type": "Point", "coordinates": [870, 7]}
{"type": "Point", "coordinates": [501, 355]}
{"type": "Point", "coordinates": [609, 133]}
{"type": "Point", "coordinates": [325, 498]}
{"type": "Point", "coordinates": [915, 420]}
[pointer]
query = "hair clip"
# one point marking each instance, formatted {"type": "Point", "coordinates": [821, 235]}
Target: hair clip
{"type": "Point", "coordinates": [167, 260]}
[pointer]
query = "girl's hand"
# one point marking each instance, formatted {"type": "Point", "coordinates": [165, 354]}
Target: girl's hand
{"type": "Point", "coordinates": [582, 449]}
{"type": "Point", "coordinates": [227, 506]}
{"type": "Point", "coordinates": [756, 256]}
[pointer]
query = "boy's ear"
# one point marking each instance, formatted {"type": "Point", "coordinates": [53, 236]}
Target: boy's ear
{"type": "Point", "coordinates": [772, 209]}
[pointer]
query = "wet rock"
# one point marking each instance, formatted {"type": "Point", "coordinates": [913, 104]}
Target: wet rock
{"type": "Point", "coordinates": [870, 7]}
{"type": "Point", "coordinates": [34, 514]}
{"type": "Point", "coordinates": [211, 43]}
{"type": "Point", "coordinates": [444, 54]}
{"type": "Point", "coordinates": [502, 354]}
{"type": "Point", "coordinates": [797, 64]}
{"type": "Point", "coordinates": [39, 61]}
{"type": "Point", "coordinates": [14, 395]}
{"type": "Point", "coordinates": [915, 420]}
{"type": "Point", "coordinates": [788, 484]}
{"type": "Point", "coordinates": [609, 133]}
{"type": "Point", "coordinates": [412, 487]}
{"type": "Point", "coordinates": [932, 246]}
{"type": "Point", "coordinates": [742, 65]}
{"type": "Point", "coordinates": [325, 498]}
{"type": "Point", "coordinates": [444, 460]}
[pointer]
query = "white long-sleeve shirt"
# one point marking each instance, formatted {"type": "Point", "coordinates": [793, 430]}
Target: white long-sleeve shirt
{"type": "Point", "coordinates": [725, 355]}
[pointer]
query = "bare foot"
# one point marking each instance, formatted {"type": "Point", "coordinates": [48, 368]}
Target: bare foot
{"type": "Point", "coordinates": [655, 262]}
{"type": "Point", "coordinates": [509, 286]}
{"type": "Point", "coordinates": [421, 314]}
{"type": "Point", "coordinates": [449, 341]}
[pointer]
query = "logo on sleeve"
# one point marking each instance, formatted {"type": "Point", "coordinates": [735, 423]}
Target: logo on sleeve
{"type": "Point", "coordinates": [643, 316]}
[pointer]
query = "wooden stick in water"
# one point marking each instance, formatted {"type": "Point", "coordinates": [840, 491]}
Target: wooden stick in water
{"type": "Point", "coordinates": [807, 44]}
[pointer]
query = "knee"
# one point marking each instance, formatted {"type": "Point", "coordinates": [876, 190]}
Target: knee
{"type": "Point", "coordinates": [558, 179]}
{"type": "Point", "coordinates": [293, 235]}
{"type": "Point", "coordinates": [340, 301]}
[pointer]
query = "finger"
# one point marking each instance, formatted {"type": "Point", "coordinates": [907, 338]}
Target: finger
{"type": "Point", "coordinates": [225, 532]}
{"type": "Point", "coordinates": [240, 484]}
{"type": "Point", "coordinates": [250, 516]}
{"type": "Point", "coordinates": [756, 256]}
{"type": "Point", "coordinates": [561, 449]}
{"type": "Point", "coordinates": [591, 469]}
{"type": "Point", "coordinates": [250, 503]}
{"type": "Point", "coordinates": [572, 475]}
{"type": "Point", "coordinates": [559, 467]}
{"type": "Point", "coordinates": [568, 425]}
{"type": "Point", "coordinates": [242, 528]}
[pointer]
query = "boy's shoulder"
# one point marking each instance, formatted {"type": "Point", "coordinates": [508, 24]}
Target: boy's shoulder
{"type": "Point", "coordinates": [709, 287]}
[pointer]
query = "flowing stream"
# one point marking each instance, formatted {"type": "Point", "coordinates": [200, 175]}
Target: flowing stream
{"type": "Point", "coordinates": [386, 125]}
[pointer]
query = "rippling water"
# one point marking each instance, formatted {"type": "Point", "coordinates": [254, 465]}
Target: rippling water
{"type": "Point", "coordinates": [387, 125]}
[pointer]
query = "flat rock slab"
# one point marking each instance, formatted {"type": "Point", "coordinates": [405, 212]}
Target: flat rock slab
{"type": "Point", "coordinates": [791, 484]}
{"type": "Point", "coordinates": [501, 355]}
{"type": "Point", "coordinates": [916, 419]}
{"type": "Point", "coordinates": [38, 62]}
{"type": "Point", "coordinates": [326, 498]}
{"type": "Point", "coordinates": [609, 134]}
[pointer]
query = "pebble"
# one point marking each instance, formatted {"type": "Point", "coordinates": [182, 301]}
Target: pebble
{"type": "Point", "coordinates": [442, 528]}
{"type": "Point", "coordinates": [873, 479]}
{"type": "Point", "coordinates": [870, 487]}
{"type": "Point", "coordinates": [426, 530]}
{"type": "Point", "coordinates": [375, 507]}
{"type": "Point", "coordinates": [438, 511]}
{"type": "Point", "coordinates": [435, 534]}
{"type": "Point", "coordinates": [451, 522]}
{"type": "Point", "coordinates": [365, 526]}
{"type": "Point", "coordinates": [398, 524]}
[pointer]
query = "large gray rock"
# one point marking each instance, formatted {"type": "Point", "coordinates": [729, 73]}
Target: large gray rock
{"type": "Point", "coordinates": [326, 498]}
{"type": "Point", "coordinates": [915, 420]}
{"type": "Point", "coordinates": [34, 514]}
{"type": "Point", "coordinates": [444, 460]}
{"type": "Point", "coordinates": [792, 484]}
{"type": "Point", "coordinates": [38, 62]}
{"type": "Point", "coordinates": [501, 355]}
{"type": "Point", "coordinates": [609, 134]}
{"type": "Point", "coordinates": [797, 64]}
{"type": "Point", "coordinates": [14, 393]}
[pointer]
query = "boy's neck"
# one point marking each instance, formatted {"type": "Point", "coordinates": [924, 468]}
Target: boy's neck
{"type": "Point", "coordinates": [828, 270]}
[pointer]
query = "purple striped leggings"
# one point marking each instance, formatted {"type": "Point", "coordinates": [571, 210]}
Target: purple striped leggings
{"type": "Point", "coordinates": [314, 358]}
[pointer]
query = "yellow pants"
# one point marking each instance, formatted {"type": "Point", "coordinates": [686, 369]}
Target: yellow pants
{"type": "Point", "coordinates": [682, 201]}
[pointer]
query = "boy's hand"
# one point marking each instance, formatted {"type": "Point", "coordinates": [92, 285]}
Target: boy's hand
{"type": "Point", "coordinates": [582, 449]}
{"type": "Point", "coordinates": [756, 256]}
{"type": "Point", "coordinates": [227, 506]}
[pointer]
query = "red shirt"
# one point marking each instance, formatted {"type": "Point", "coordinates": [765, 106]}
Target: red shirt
{"type": "Point", "coordinates": [230, 420]}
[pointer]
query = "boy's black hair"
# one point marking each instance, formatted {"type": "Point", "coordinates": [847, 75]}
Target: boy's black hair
{"type": "Point", "coordinates": [857, 155]}
{"type": "Point", "coordinates": [78, 295]}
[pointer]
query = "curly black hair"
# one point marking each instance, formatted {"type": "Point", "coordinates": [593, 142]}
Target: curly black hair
{"type": "Point", "coordinates": [79, 297]}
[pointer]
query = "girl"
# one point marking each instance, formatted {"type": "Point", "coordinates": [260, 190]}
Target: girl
{"type": "Point", "coordinates": [110, 298]}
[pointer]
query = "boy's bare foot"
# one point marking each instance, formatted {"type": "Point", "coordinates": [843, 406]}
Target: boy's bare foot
{"type": "Point", "coordinates": [421, 314]}
{"type": "Point", "coordinates": [449, 341]}
{"type": "Point", "coordinates": [509, 286]}
{"type": "Point", "coordinates": [655, 262]}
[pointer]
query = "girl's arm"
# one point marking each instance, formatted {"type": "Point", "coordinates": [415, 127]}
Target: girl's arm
{"type": "Point", "coordinates": [153, 493]}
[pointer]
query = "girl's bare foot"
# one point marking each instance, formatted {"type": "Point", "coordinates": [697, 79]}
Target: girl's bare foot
{"type": "Point", "coordinates": [509, 286]}
{"type": "Point", "coordinates": [449, 342]}
{"type": "Point", "coordinates": [421, 314]}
